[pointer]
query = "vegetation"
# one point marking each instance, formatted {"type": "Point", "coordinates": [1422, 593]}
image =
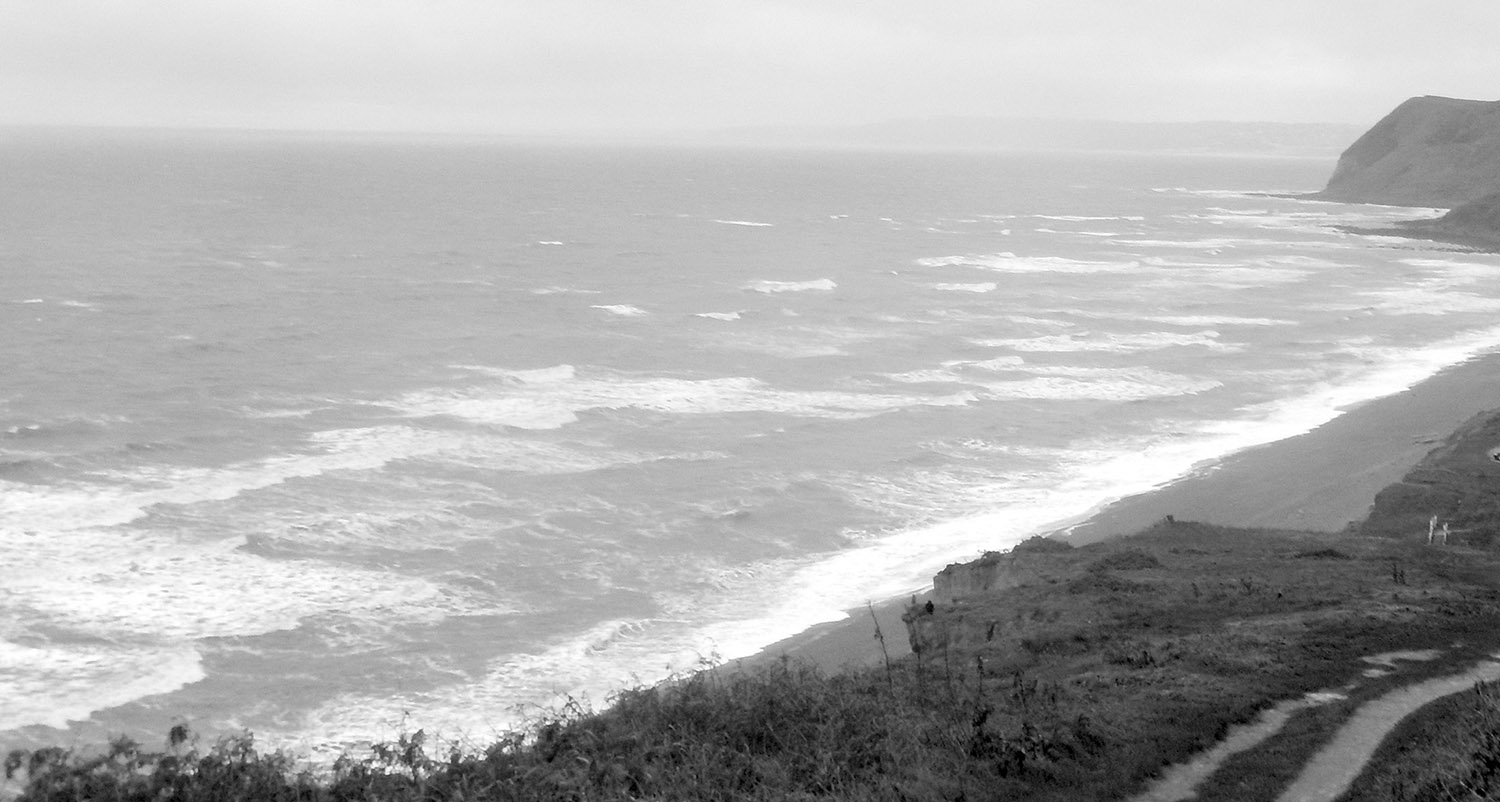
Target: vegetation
{"type": "Point", "coordinates": [1448, 751]}
{"type": "Point", "coordinates": [1081, 680]}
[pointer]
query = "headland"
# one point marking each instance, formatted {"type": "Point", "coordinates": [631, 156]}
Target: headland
{"type": "Point", "coordinates": [1435, 152]}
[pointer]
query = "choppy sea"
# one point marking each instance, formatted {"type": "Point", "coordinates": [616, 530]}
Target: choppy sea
{"type": "Point", "coordinates": [331, 440]}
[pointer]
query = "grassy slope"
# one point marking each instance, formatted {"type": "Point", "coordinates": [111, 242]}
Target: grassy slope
{"type": "Point", "coordinates": [1450, 750]}
{"type": "Point", "coordinates": [1080, 683]}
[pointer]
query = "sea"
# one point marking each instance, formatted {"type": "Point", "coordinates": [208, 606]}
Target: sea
{"type": "Point", "coordinates": [331, 439]}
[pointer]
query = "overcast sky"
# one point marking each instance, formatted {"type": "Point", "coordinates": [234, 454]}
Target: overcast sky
{"type": "Point", "coordinates": [530, 66]}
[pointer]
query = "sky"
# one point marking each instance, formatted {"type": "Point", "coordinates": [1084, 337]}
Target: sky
{"type": "Point", "coordinates": [640, 67]}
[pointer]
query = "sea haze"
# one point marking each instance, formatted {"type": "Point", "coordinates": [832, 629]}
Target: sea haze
{"type": "Point", "coordinates": [332, 440]}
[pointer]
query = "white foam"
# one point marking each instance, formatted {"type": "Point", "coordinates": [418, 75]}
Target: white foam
{"type": "Point", "coordinates": [1318, 221]}
{"type": "Point", "coordinates": [548, 375]}
{"type": "Point", "coordinates": [1044, 322]}
{"type": "Point", "coordinates": [1190, 321]}
{"type": "Point", "coordinates": [124, 497]}
{"type": "Point", "coordinates": [1160, 261]}
{"type": "Point", "coordinates": [751, 223]}
{"type": "Point", "coordinates": [549, 242]}
{"type": "Point", "coordinates": [1303, 261]}
{"type": "Point", "coordinates": [926, 377]}
{"type": "Point", "coordinates": [1011, 263]}
{"type": "Point", "coordinates": [1059, 388]}
{"type": "Point", "coordinates": [194, 589]}
{"type": "Point", "coordinates": [1456, 269]}
{"type": "Point", "coordinates": [1061, 382]}
{"type": "Point", "coordinates": [1211, 244]}
{"type": "Point", "coordinates": [726, 316]}
{"type": "Point", "coordinates": [1214, 193]}
{"type": "Point", "coordinates": [54, 684]}
{"type": "Point", "coordinates": [1086, 218]}
{"type": "Point", "coordinates": [623, 310]}
{"type": "Point", "coordinates": [556, 403]}
{"type": "Point", "coordinates": [1435, 299]}
{"type": "Point", "coordinates": [999, 363]}
{"type": "Point", "coordinates": [138, 617]}
{"type": "Point", "coordinates": [119, 497]}
{"type": "Point", "coordinates": [817, 285]}
{"type": "Point", "coordinates": [582, 668]}
{"type": "Point", "coordinates": [559, 290]}
{"type": "Point", "coordinates": [1111, 342]}
{"type": "Point", "coordinates": [988, 286]}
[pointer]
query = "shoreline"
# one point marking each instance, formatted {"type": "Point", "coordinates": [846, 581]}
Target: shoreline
{"type": "Point", "coordinates": [1323, 480]}
{"type": "Point", "coordinates": [1462, 240]}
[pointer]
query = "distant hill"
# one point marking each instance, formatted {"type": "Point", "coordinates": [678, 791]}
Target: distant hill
{"type": "Point", "coordinates": [1317, 140]}
{"type": "Point", "coordinates": [1429, 151]}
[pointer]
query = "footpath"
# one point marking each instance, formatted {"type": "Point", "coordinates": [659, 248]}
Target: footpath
{"type": "Point", "coordinates": [1331, 770]}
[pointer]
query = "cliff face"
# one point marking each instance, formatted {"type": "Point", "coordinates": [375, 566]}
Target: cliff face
{"type": "Point", "coordinates": [1029, 560]}
{"type": "Point", "coordinates": [991, 572]}
{"type": "Point", "coordinates": [1458, 482]}
{"type": "Point", "coordinates": [1429, 151]}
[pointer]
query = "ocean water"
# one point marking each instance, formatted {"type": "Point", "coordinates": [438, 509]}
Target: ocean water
{"type": "Point", "coordinates": [330, 440]}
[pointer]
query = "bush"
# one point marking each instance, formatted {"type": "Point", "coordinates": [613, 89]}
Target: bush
{"type": "Point", "coordinates": [1128, 560]}
{"type": "Point", "coordinates": [1036, 544]}
{"type": "Point", "coordinates": [1322, 554]}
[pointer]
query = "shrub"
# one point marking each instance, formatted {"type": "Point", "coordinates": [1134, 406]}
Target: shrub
{"type": "Point", "coordinates": [1128, 560]}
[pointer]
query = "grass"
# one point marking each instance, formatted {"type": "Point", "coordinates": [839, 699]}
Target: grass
{"type": "Point", "coordinates": [1449, 750]}
{"type": "Point", "coordinates": [1081, 679]}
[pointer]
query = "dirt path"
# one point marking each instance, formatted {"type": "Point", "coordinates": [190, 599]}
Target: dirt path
{"type": "Point", "coordinates": [1180, 782]}
{"type": "Point", "coordinates": [1335, 766]}
{"type": "Point", "coordinates": [1330, 771]}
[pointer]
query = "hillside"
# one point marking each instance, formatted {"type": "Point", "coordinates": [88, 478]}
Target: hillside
{"type": "Point", "coordinates": [1475, 224]}
{"type": "Point", "coordinates": [1429, 151]}
{"type": "Point", "coordinates": [1457, 485]}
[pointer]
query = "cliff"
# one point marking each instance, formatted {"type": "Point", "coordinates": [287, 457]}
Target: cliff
{"type": "Point", "coordinates": [999, 570]}
{"type": "Point", "coordinates": [1458, 483]}
{"type": "Point", "coordinates": [1429, 151]}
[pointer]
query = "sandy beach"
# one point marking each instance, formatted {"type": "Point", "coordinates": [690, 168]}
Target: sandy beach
{"type": "Point", "coordinates": [1322, 480]}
